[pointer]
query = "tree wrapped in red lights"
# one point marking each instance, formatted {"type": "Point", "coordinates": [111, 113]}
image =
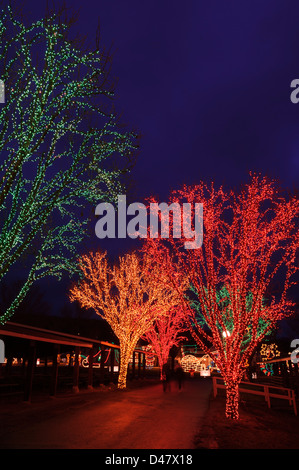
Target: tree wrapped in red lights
{"type": "Point", "coordinates": [130, 295]}
{"type": "Point", "coordinates": [250, 245]}
{"type": "Point", "coordinates": [165, 333]}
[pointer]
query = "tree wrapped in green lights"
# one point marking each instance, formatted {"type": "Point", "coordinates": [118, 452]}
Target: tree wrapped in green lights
{"type": "Point", "coordinates": [224, 304]}
{"type": "Point", "coordinates": [60, 144]}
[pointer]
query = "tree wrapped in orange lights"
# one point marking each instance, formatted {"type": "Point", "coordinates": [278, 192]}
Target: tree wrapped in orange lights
{"type": "Point", "coordinates": [130, 295]}
{"type": "Point", "coordinates": [250, 246]}
{"type": "Point", "coordinates": [165, 333]}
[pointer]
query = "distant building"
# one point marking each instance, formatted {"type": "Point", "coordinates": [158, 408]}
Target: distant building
{"type": "Point", "coordinates": [194, 359]}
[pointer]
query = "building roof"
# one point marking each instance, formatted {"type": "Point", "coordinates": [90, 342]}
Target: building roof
{"type": "Point", "coordinates": [18, 330]}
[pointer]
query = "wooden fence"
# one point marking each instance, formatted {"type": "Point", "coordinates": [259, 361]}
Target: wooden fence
{"type": "Point", "coordinates": [268, 391]}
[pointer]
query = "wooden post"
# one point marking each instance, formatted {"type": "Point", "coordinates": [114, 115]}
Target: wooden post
{"type": "Point", "coordinates": [214, 386]}
{"type": "Point", "coordinates": [90, 368]}
{"type": "Point", "coordinates": [30, 372]}
{"type": "Point", "coordinates": [290, 396]}
{"type": "Point", "coordinates": [133, 365]}
{"type": "Point", "coordinates": [112, 362]}
{"type": "Point", "coordinates": [54, 377]}
{"type": "Point", "coordinates": [294, 402]}
{"type": "Point", "coordinates": [76, 371]}
{"type": "Point", "coordinates": [139, 364]}
{"type": "Point", "coordinates": [143, 364]}
{"type": "Point", "coordinates": [102, 363]}
{"type": "Point", "coordinates": [267, 396]}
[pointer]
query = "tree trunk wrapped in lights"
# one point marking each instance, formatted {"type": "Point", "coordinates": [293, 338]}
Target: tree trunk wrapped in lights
{"type": "Point", "coordinates": [165, 333]}
{"type": "Point", "coordinates": [232, 397]}
{"type": "Point", "coordinates": [130, 295]}
{"type": "Point", "coordinates": [250, 246]}
{"type": "Point", "coordinates": [58, 143]}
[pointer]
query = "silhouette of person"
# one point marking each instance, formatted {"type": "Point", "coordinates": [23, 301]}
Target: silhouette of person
{"type": "Point", "coordinates": [179, 373]}
{"type": "Point", "coordinates": [166, 374]}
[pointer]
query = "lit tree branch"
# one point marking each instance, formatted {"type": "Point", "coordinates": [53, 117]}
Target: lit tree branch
{"type": "Point", "coordinates": [129, 295]}
{"type": "Point", "coordinates": [58, 144]}
{"type": "Point", "coordinates": [250, 240]}
{"type": "Point", "coordinates": [165, 333]}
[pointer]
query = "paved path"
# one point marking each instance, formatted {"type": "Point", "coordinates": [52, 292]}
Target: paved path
{"type": "Point", "coordinates": [141, 418]}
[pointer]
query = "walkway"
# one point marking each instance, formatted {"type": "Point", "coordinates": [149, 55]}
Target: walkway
{"type": "Point", "coordinates": [140, 418]}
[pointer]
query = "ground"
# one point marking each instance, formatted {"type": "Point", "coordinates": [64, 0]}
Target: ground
{"type": "Point", "coordinates": [257, 428]}
{"type": "Point", "coordinates": [146, 417]}
{"type": "Point", "coordinates": [142, 417]}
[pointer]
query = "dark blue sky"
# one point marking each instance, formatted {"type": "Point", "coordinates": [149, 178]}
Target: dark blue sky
{"type": "Point", "coordinates": [207, 84]}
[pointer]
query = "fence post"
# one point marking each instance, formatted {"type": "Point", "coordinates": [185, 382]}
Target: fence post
{"type": "Point", "coordinates": [215, 386]}
{"type": "Point", "coordinates": [267, 396]}
{"type": "Point", "coordinates": [294, 402]}
{"type": "Point", "coordinates": [290, 396]}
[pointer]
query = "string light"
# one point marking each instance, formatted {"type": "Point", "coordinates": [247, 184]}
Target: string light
{"type": "Point", "coordinates": [166, 333]}
{"type": "Point", "coordinates": [55, 161]}
{"type": "Point", "coordinates": [250, 237]}
{"type": "Point", "coordinates": [198, 364]}
{"type": "Point", "coordinates": [130, 295]}
{"type": "Point", "coordinates": [269, 351]}
{"type": "Point", "coordinates": [150, 358]}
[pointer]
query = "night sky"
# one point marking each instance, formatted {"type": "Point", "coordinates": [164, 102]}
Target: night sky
{"type": "Point", "coordinates": [207, 84]}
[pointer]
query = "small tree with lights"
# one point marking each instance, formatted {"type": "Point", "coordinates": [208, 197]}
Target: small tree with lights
{"type": "Point", "coordinates": [130, 295]}
{"type": "Point", "coordinates": [60, 144]}
{"type": "Point", "coordinates": [250, 239]}
{"type": "Point", "coordinates": [165, 333]}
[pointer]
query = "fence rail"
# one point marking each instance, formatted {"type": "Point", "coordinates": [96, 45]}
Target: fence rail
{"type": "Point", "coordinates": [268, 391]}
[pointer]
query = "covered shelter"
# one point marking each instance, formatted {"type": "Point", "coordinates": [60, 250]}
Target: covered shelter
{"type": "Point", "coordinates": [31, 349]}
